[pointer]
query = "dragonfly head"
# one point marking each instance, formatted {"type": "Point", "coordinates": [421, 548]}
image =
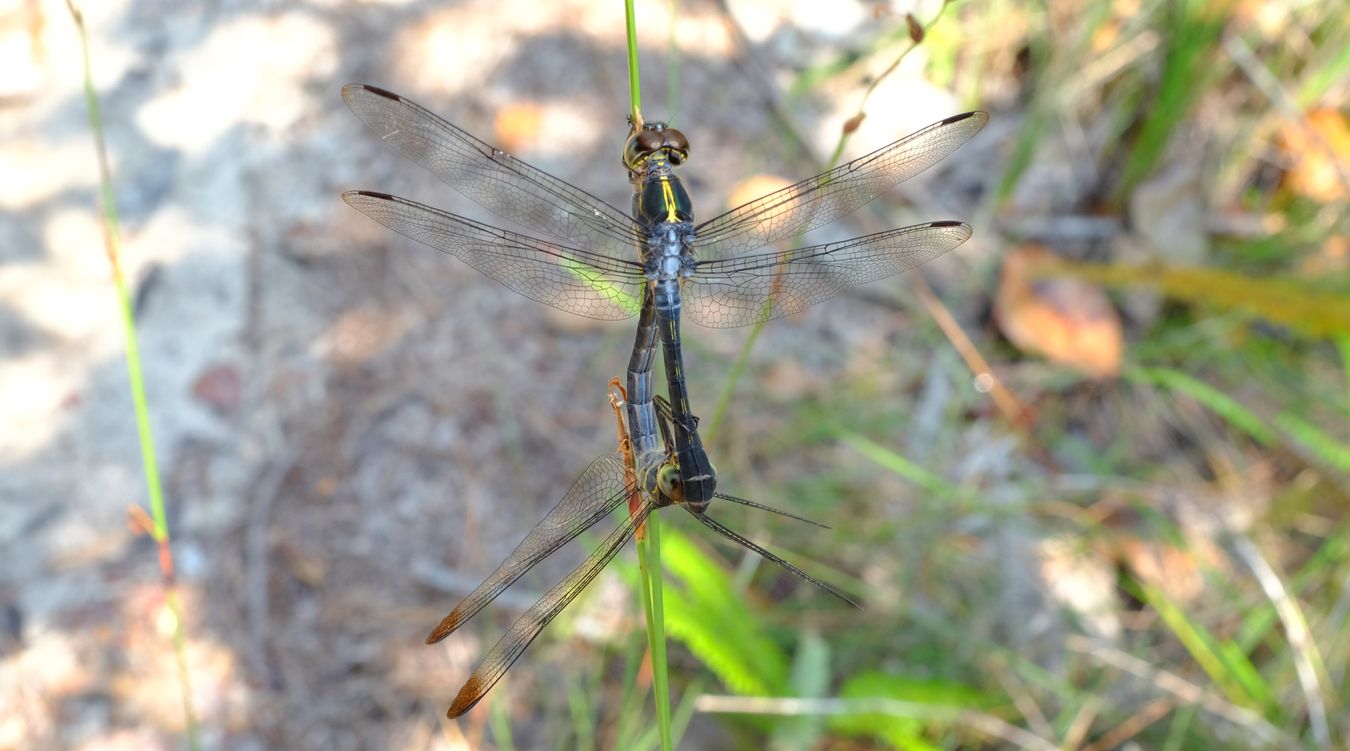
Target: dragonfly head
{"type": "Point", "coordinates": [671, 489]}
{"type": "Point", "coordinates": [670, 484]}
{"type": "Point", "coordinates": [655, 139]}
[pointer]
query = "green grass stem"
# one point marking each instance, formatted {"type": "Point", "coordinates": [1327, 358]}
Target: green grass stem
{"type": "Point", "coordinates": [649, 557]}
{"type": "Point", "coordinates": [159, 528]}
{"type": "Point", "coordinates": [1343, 346]}
{"type": "Point", "coordinates": [649, 549]}
{"type": "Point", "coordinates": [634, 80]}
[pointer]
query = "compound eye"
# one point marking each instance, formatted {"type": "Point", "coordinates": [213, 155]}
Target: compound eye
{"type": "Point", "coordinates": [631, 158]}
{"type": "Point", "coordinates": [649, 141]}
{"type": "Point", "coordinates": [677, 146]}
{"type": "Point", "coordinates": [677, 141]}
{"type": "Point", "coordinates": [641, 145]}
{"type": "Point", "coordinates": [670, 483]}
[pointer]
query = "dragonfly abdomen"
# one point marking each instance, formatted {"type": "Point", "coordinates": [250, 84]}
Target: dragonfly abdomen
{"type": "Point", "coordinates": [642, 425]}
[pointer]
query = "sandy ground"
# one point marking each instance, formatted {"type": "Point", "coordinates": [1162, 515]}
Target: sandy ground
{"type": "Point", "coordinates": [352, 429]}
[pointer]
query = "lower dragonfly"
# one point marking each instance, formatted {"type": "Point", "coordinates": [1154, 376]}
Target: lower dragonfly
{"type": "Point", "coordinates": [587, 267]}
{"type": "Point", "coordinates": [604, 485]}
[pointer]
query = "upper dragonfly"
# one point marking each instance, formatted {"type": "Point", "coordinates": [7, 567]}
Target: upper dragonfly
{"type": "Point", "coordinates": [708, 269]}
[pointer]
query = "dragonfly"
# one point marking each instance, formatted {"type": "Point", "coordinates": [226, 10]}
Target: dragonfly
{"type": "Point", "coordinates": [655, 261]}
{"type": "Point", "coordinates": [603, 486]}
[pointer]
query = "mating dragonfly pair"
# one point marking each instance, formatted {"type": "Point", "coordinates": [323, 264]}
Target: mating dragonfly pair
{"type": "Point", "coordinates": [655, 263]}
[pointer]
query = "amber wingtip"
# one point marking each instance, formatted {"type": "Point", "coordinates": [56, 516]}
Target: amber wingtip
{"type": "Point", "coordinates": [446, 627]}
{"type": "Point", "coordinates": [467, 697]}
{"type": "Point", "coordinates": [438, 633]}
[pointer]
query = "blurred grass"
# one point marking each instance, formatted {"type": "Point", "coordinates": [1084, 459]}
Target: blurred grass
{"type": "Point", "coordinates": [1233, 407]}
{"type": "Point", "coordinates": [1307, 307]}
{"type": "Point", "coordinates": [1190, 31]}
{"type": "Point", "coordinates": [1221, 659]}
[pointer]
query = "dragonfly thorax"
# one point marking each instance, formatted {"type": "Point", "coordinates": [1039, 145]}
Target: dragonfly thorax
{"type": "Point", "coordinates": [661, 199]}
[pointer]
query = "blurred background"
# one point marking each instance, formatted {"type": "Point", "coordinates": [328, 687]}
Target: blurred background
{"type": "Point", "coordinates": [1087, 474]}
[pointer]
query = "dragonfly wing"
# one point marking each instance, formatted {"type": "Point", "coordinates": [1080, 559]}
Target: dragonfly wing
{"type": "Point", "coordinates": [597, 492]}
{"type": "Point", "coordinates": [837, 193]}
{"type": "Point", "coordinates": [577, 281]}
{"type": "Point", "coordinates": [490, 177]}
{"type": "Point", "coordinates": [528, 626]}
{"type": "Point", "coordinates": [770, 509]}
{"type": "Point", "coordinates": [735, 537]}
{"type": "Point", "coordinates": [739, 291]}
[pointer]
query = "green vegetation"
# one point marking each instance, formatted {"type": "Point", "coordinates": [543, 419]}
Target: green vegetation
{"type": "Point", "coordinates": [1207, 483]}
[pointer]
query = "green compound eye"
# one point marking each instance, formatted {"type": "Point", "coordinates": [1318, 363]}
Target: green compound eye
{"type": "Point", "coordinates": [670, 483]}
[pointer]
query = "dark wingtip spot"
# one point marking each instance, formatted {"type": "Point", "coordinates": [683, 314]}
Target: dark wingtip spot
{"type": "Point", "coordinates": [369, 194]}
{"type": "Point", "coordinates": [947, 223]}
{"type": "Point", "coordinates": [377, 91]}
{"type": "Point", "coordinates": [959, 118]}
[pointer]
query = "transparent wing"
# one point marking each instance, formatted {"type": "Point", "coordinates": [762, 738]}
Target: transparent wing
{"type": "Point", "coordinates": [528, 626]}
{"type": "Point", "coordinates": [739, 291]}
{"type": "Point", "coordinates": [492, 178]}
{"type": "Point", "coordinates": [735, 537]}
{"type": "Point", "coordinates": [770, 509]}
{"type": "Point", "coordinates": [839, 192]}
{"type": "Point", "coordinates": [577, 281]}
{"type": "Point", "coordinates": [597, 492]}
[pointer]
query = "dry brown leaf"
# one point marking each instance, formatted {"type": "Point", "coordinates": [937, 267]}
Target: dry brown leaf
{"type": "Point", "coordinates": [1172, 570]}
{"type": "Point", "coordinates": [306, 566]}
{"type": "Point", "coordinates": [361, 334]}
{"type": "Point", "coordinates": [755, 186]}
{"type": "Point", "coordinates": [518, 125]}
{"type": "Point", "coordinates": [1064, 319]}
{"type": "Point", "coordinates": [1106, 37]}
{"type": "Point", "coordinates": [1332, 258]}
{"type": "Point", "coordinates": [852, 124]}
{"type": "Point", "coordinates": [220, 388]}
{"type": "Point", "coordinates": [1315, 173]}
{"type": "Point", "coordinates": [786, 380]}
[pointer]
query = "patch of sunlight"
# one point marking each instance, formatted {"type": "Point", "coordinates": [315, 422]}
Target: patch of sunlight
{"type": "Point", "coordinates": [32, 390]}
{"type": "Point", "coordinates": [271, 60]}
{"type": "Point", "coordinates": [47, 168]}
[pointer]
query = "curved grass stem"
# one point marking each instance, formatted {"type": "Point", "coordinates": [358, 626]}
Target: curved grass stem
{"type": "Point", "coordinates": [158, 527]}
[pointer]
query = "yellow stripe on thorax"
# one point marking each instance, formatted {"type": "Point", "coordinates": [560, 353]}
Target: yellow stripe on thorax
{"type": "Point", "coordinates": [668, 195]}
